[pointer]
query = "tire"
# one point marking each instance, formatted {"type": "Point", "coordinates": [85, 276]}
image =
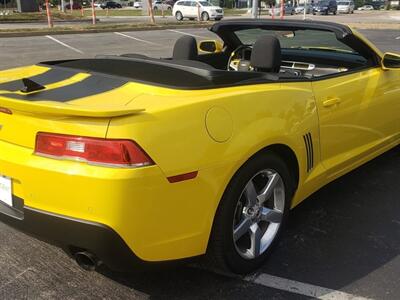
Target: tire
{"type": "Point", "coordinates": [155, 8]}
{"type": "Point", "coordinates": [335, 12]}
{"type": "Point", "coordinates": [218, 19]}
{"type": "Point", "coordinates": [224, 253]}
{"type": "Point", "coordinates": [169, 8]}
{"type": "Point", "coordinates": [205, 16]}
{"type": "Point", "coordinates": [179, 16]}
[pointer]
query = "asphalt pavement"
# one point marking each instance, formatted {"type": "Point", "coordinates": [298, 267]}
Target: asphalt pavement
{"type": "Point", "coordinates": [342, 242]}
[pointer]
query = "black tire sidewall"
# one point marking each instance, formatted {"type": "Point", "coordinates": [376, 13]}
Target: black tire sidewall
{"type": "Point", "coordinates": [178, 13]}
{"type": "Point", "coordinates": [233, 260]}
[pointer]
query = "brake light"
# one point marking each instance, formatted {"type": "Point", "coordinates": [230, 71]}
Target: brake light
{"type": "Point", "coordinates": [108, 152]}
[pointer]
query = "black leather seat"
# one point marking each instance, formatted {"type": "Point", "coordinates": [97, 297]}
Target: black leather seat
{"type": "Point", "coordinates": [185, 48]}
{"type": "Point", "coordinates": [266, 54]}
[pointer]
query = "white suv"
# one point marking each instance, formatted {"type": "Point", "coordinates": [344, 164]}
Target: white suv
{"type": "Point", "coordinates": [189, 9]}
{"type": "Point", "coordinates": [346, 7]}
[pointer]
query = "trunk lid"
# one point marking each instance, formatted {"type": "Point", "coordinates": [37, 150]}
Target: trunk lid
{"type": "Point", "coordinates": [62, 101]}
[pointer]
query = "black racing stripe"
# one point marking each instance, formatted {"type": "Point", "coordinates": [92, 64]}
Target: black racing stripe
{"type": "Point", "coordinates": [90, 86]}
{"type": "Point", "coordinates": [48, 77]}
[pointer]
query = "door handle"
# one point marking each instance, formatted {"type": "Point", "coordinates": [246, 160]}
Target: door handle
{"type": "Point", "coordinates": [331, 102]}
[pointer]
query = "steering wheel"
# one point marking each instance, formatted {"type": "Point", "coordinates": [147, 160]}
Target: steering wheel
{"type": "Point", "coordinates": [236, 58]}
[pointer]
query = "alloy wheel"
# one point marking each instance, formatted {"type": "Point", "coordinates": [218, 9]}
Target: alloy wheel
{"type": "Point", "coordinates": [259, 213]}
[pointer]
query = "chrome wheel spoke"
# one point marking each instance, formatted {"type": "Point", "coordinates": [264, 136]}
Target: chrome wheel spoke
{"type": "Point", "coordinates": [255, 240]}
{"type": "Point", "coordinates": [267, 191]}
{"type": "Point", "coordinates": [271, 215]}
{"type": "Point", "coordinates": [251, 193]}
{"type": "Point", "coordinates": [241, 229]}
{"type": "Point", "coordinates": [256, 219]}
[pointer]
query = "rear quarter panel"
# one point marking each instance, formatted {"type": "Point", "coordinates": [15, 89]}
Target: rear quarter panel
{"type": "Point", "coordinates": [176, 133]}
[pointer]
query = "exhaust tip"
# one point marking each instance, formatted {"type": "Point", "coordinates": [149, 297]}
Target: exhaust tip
{"type": "Point", "coordinates": [87, 260]}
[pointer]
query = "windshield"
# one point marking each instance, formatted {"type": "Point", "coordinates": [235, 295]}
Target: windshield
{"type": "Point", "coordinates": [205, 3]}
{"type": "Point", "coordinates": [343, 3]}
{"type": "Point", "coordinates": [304, 39]}
{"type": "Point", "coordinates": [323, 3]}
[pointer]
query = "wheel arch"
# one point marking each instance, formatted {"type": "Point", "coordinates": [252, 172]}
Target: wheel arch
{"type": "Point", "coordinates": [283, 151]}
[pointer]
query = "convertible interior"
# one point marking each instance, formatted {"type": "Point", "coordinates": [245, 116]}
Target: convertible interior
{"type": "Point", "coordinates": [254, 51]}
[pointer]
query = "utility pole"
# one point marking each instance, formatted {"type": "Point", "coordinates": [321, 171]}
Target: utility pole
{"type": "Point", "coordinates": [71, 4]}
{"type": "Point", "coordinates": [305, 9]}
{"type": "Point", "coordinates": [62, 6]}
{"type": "Point", "coordinates": [254, 9]}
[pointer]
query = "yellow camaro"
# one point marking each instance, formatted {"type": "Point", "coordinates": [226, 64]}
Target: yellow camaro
{"type": "Point", "coordinates": [128, 159]}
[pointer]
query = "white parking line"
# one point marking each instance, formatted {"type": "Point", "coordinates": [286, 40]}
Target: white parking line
{"type": "Point", "coordinates": [136, 39]}
{"type": "Point", "coordinates": [63, 44]}
{"type": "Point", "coordinates": [185, 33]}
{"type": "Point", "coordinates": [301, 288]}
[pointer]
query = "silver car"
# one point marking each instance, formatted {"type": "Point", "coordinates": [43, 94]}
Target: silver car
{"type": "Point", "coordinates": [346, 7]}
{"type": "Point", "coordinates": [300, 9]}
{"type": "Point", "coordinates": [288, 10]}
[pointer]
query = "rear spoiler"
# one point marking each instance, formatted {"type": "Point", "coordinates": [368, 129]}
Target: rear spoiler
{"type": "Point", "coordinates": [62, 109]}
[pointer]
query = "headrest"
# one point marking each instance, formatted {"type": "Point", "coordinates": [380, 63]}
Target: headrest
{"type": "Point", "coordinates": [185, 48]}
{"type": "Point", "coordinates": [266, 54]}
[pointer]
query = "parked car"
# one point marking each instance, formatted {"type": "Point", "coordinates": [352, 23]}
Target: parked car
{"type": "Point", "coordinates": [97, 5]}
{"type": "Point", "coordinates": [189, 9]}
{"type": "Point", "coordinates": [123, 183]}
{"type": "Point", "coordinates": [137, 4]}
{"type": "Point", "coordinates": [74, 6]}
{"type": "Point", "coordinates": [300, 9]}
{"type": "Point", "coordinates": [346, 7]}
{"type": "Point", "coordinates": [110, 4]}
{"type": "Point", "coordinates": [288, 10]}
{"type": "Point", "coordinates": [161, 5]}
{"type": "Point", "coordinates": [366, 7]}
{"type": "Point", "coordinates": [325, 7]}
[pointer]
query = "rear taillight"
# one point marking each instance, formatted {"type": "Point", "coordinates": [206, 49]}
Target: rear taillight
{"type": "Point", "coordinates": [107, 152]}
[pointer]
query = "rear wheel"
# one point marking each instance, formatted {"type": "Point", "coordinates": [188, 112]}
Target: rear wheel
{"type": "Point", "coordinates": [251, 215]}
{"type": "Point", "coordinates": [179, 16]}
{"type": "Point", "coordinates": [205, 16]}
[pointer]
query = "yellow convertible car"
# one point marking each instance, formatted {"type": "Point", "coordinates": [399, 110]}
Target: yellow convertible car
{"type": "Point", "coordinates": [126, 160]}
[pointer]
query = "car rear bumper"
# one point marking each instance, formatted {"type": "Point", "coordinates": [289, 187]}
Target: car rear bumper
{"type": "Point", "coordinates": [71, 234]}
{"type": "Point", "coordinates": [156, 219]}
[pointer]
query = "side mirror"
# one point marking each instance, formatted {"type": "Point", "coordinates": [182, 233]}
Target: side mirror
{"type": "Point", "coordinates": [210, 46]}
{"type": "Point", "coordinates": [390, 61]}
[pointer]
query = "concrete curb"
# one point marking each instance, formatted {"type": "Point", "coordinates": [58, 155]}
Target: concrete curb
{"type": "Point", "coordinates": [100, 30]}
{"type": "Point", "coordinates": [86, 20]}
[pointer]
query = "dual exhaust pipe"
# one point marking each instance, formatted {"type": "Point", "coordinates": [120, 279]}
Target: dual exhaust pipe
{"type": "Point", "coordinates": [87, 261]}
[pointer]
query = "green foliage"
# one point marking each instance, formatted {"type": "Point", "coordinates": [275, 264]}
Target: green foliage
{"type": "Point", "coordinates": [270, 3]}
{"type": "Point", "coordinates": [359, 3]}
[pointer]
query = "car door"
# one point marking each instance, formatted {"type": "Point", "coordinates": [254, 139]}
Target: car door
{"type": "Point", "coordinates": [183, 5]}
{"type": "Point", "coordinates": [193, 9]}
{"type": "Point", "coordinates": [357, 117]}
{"type": "Point", "coordinates": [186, 9]}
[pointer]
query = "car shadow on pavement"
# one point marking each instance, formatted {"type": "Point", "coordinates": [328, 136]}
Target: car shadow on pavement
{"type": "Point", "coordinates": [335, 239]}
